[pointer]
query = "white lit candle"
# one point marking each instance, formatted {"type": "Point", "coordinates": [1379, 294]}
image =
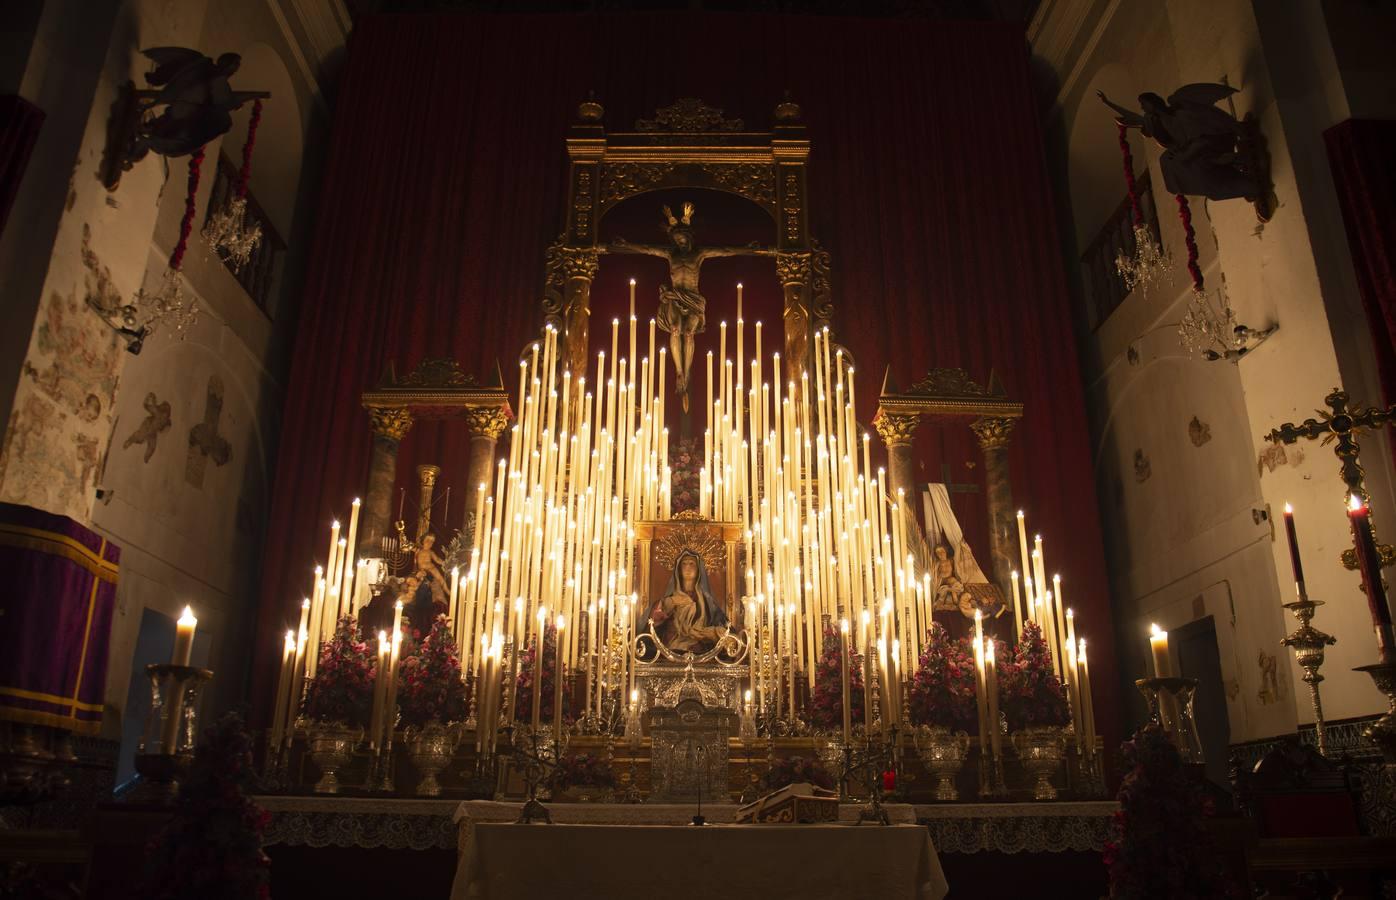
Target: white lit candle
{"type": "Point", "coordinates": [184, 638]}
{"type": "Point", "coordinates": [1158, 646]}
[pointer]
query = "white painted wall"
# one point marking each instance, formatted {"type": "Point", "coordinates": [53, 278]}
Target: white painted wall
{"type": "Point", "coordinates": [1185, 542]}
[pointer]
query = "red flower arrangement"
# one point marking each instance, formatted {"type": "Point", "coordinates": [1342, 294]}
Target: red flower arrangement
{"type": "Point", "coordinates": [942, 690]}
{"type": "Point", "coordinates": [1160, 846]}
{"type": "Point", "coordinates": [794, 770]}
{"type": "Point", "coordinates": [523, 697]}
{"type": "Point", "coordinates": [342, 689]}
{"type": "Point", "coordinates": [826, 703]}
{"type": "Point", "coordinates": [685, 482]}
{"type": "Point", "coordinates": [583, 769]}
{"type": "Point", "coordinates": [212, 847]}
{"type": "Point", "coordinates": [1030, 694]}
{"type": "Point", "coordinates": [431, 689]}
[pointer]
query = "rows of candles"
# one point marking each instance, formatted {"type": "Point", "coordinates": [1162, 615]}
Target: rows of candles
{"type": "Point", "coordinates": [555, 539]}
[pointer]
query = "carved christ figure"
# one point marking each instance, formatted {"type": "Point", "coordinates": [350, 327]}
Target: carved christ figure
{"type": "Point", "coordinates": [682, 309]}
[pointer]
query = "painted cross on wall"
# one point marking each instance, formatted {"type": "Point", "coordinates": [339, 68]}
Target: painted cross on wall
{"type": "Point", "coordinates": [205, 442]}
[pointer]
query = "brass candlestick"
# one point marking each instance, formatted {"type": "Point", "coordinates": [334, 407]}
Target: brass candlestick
{"type": "Point", "coordinates": [1170, 706]}
{"type": "Point", "coordinates": [1308, 644]}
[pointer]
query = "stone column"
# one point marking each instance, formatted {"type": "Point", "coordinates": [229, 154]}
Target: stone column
{"type": "Point", "coordinates": [897, 432]}
{"type": "Point", "coordinates": [994, 435]}
{"type": "Point", "coordinates": [485, 424]}
{"type": "Point", "coordinates": [426, 485]}
{"type": "Point", "coordinates": [567, 300]}
{"type": "Point", "coordinates": [793, 269]}
{"type": "Point", "coordinates": [389, 427]}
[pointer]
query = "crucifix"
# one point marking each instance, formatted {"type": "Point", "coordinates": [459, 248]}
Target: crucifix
{"type": "Point", "coordinates": [1341, 424]}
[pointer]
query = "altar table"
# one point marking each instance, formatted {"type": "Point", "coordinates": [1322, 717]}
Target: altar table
{"type": "Point", "coordinates": [678, 862]}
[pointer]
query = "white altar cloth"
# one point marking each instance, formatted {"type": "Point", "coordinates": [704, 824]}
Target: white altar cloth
{"type": "Point", "coordinates": [618, 851]}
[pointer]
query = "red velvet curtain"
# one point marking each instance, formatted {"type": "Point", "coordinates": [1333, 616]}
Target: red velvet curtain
{"type": "Point", "coordinates": [1360, 152]}
{"type": "Point", "coordinates": [928, 183]}
{"type": "Point", "coordinates": [20, 121]}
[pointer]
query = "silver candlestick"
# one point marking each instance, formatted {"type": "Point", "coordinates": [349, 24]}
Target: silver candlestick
{"type": "Point", "coordinates": [1308, 644]}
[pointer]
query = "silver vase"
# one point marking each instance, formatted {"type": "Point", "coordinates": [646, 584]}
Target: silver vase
{"type": "Point", "coordinates": [331, 743]}
{"type": "Point", "coordinates": [944, 753]}
{"type": "Point", "coordinates": [430, 750]}
{"type": "Point", "coordinates": [1040, 750]}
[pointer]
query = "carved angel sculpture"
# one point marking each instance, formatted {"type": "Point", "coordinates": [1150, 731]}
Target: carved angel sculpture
{"type": "Point", "coordinates": [196, 96]}
{"type": "Point", "coordinates": [1199, 140]}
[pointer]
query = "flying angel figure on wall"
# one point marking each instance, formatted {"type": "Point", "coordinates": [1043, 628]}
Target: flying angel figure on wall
{"type": "Point", "coordinates": [1205, 150]}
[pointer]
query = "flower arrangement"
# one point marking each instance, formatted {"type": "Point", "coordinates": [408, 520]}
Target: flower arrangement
{"type": "Point", "coordinates": [1160, 846]}
{"type": "Point", "coordinates": [942, 690]}
{"type": "Point", "coordinates": [1030, 694]}
{"type": "Point", "coordinates": [212, 847]}
{"type": "Point", "coordinates": [795, 769]}
{"type": "Point", "coordinates": [342, 689]}
{"type": "Point", "coordinates": [523, 697]}
{"type": "Point", "coordinates": [826, 703]}
{"type": "Point", "coordinates": [431, 689]}
{"type": "Point", "coordinates": [583, 769]}
{"type": "Point", "coordinates": [685, 482]}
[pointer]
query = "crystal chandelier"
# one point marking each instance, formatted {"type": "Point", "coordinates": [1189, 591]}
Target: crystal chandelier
{"type": "Point", "coordinates": [1209, 330]}
{"type": "Point", "coordinates": [170, 305]}
{"type": "Point", "coordinates": [1148, 264]}
{"type": "Point", "coordinates": [231, 236]}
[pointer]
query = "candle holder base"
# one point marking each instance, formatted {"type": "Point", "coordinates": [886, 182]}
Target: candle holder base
{"type": "Point", "coordinates": [1382, 731]}
{"type": "Point", "coordinates": [1170, 706]}
{"type": "Point", "coordinates": [160, 775]}
{"type": "Point", "coordinates": [276, 776]}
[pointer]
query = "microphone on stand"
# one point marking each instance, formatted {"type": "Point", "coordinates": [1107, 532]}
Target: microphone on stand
{"type": "Point", "coordinates": [703, 755]}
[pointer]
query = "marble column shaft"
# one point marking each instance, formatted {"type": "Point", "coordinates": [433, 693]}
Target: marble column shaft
{"type": "Point", "coordinates": [994, 435]}
{"type": "Point", "coordinates": [389, 427]}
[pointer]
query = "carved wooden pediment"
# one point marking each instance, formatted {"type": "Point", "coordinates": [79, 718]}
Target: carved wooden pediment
{"type": "Point", "coordinates": [688, 115]}
{"type": "Point", "coordinates": [952, 383]}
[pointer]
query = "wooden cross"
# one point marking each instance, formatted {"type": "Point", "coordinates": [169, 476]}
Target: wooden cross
{"type": "Point", "coordinates": [952, 488]}
{"type": "Point", "coordinates": [1340, 425]}
{"type": "Point", "coordinates": [205, 442]}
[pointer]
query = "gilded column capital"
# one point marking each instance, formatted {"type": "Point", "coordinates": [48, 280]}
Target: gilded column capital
{"type": "Point", "coordinates": [578, 263]}
{"type": "Point", "coordinates": [426, 475]}
{"type": "Point", "coordinates": [993, 433]}
{"type": "Point", "coordinates": [794, 267]}
{"type": "Point", "coordinates": [896, 430]}
{"type": "Point", "coordinates": [487, 421]}
{"type": "Point", "coordinates": [391, 423]}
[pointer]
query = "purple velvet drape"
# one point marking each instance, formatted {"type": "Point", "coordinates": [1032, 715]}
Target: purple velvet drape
{"type": "Point", "coordinates": [60, 594]}
{"type": "Point", "coordinates": [928, 183]}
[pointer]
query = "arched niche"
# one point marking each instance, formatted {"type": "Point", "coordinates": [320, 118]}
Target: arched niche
{"type": "Point", "coordinates": [1095, 167]}
{"type": "Point", "coordinates": [276, 162]}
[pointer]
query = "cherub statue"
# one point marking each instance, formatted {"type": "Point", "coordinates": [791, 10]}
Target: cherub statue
{"type": "Point", "coordinates": [682, 309]}
{"type": "Point", "coordinates": [196, 96]}
{"type": "Point", "coordinates": [427, 569]}
{"type": "Point", "coordinates": [1200, 141]}
{"type": "Point", "coordinates": [950, 591]}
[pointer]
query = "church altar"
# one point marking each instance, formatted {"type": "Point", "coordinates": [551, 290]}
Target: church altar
{"type": "Point", "coordinates": [691, 620]}
{"type": "Point", "coordinates": [407, 824]}
{"type": "Point", "coordinates": [618, 862]}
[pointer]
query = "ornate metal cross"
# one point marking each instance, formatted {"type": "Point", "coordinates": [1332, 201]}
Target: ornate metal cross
{"type": "Point", "coordinates": [1343, 425]}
